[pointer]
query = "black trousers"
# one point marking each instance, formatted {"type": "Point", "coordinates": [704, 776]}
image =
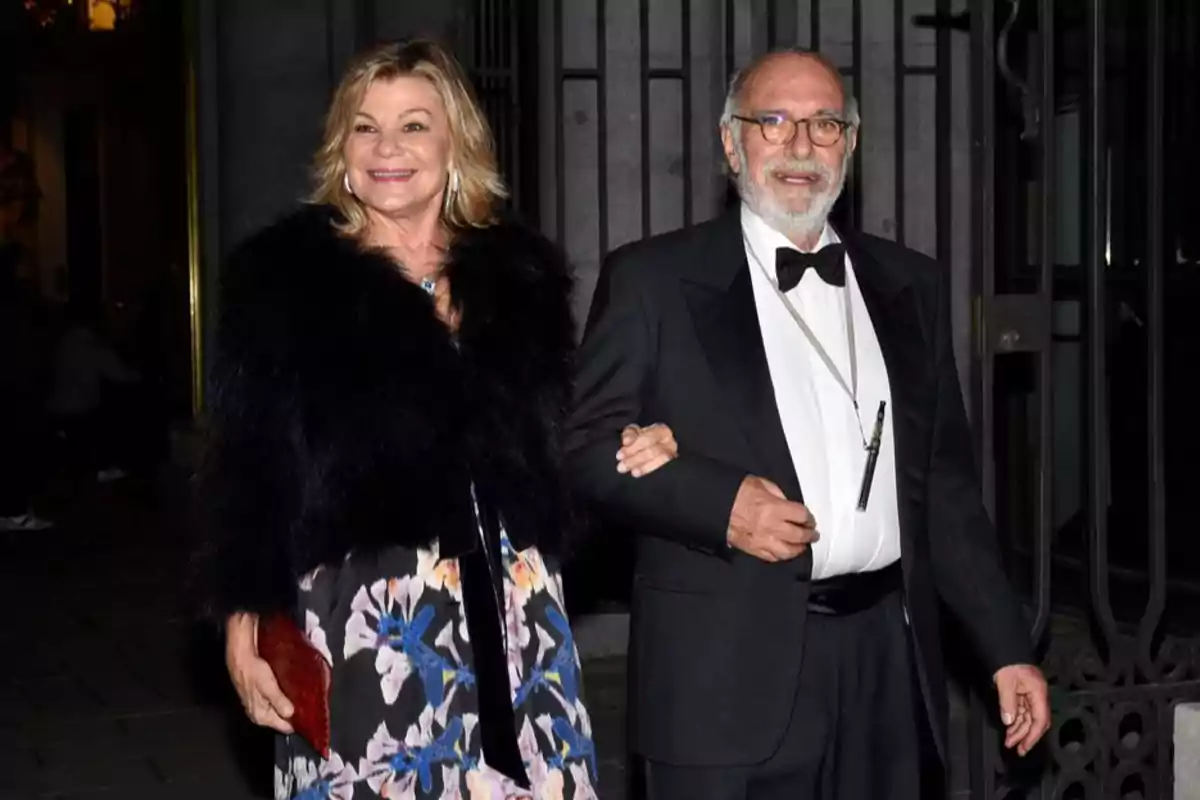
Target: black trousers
{"type": "Point", "coordinates": [858, 728]}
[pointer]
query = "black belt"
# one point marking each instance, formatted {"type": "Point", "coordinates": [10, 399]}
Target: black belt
{"type": "Point", "coordinates": [854, 592]}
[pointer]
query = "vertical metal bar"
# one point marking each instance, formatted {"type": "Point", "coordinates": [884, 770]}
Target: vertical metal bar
{"type": "Point", "coordinates": [485, 66]}
{"type": "Point", "coordinates": [1048, 251]}
{"type": "Point", "coordinates": [485, 49]}
{"type": "Point", "coordinates": [510, 100]}
{"type": "Point", "coordinates": [487, 63]}
{"type": "Point", "coordinates": [529, 112]}
{"type": "Point", "coordinates": [983, 158]}
{"type": "Point", "coordinates": [495, 21]}
{"type": "Point", "coordinates": [686, 72]}
{"type": "Point", "coordinates": [984, 227]}
{"type": "Point", "coordinates": [1095, 226]}
{"type": "Point", "coordinates": [476, 29]}
{"type": "Point", "coordinates": [500, 63]}
{"type": "Point", "coordinates": [1155, 338]}
{"type": "Point", "coordinates": [479, 27]}
{"type": "Point", "coordinates": [331, 61]}
{"type": "Point", "coordinates": [602, 123]}
{"type": "Point", "coordinates": [205, 239]}
{"type": "Point", "coordinates": [484, 12]}
{"type": "Point", "coordinates": [901, 83]}
{"type": "Point", "coordinates": [515, 102]}
{"type": "Point", "coordinates": [365, 22]}
{"type": "Point", "coordinates": [192, 56]}
{"type": "Point", "coordinates": [814, 26]}
{"type": "Point", "coordinates": [560, 180]}
{"type": "Point", "coordinates": [856, 72]}
{"type": "Point", "coordinates": [507, 23]}
{"type": "Point", "coordinates": [943, 91]}
{"type": "Point", "coordinates": [1185, 130]}
{"type": "Point", "coordinates": [470, 42]}
{"type": "Point", "coordinates": [644, 41]}
{"type": "Point", "coordinates": [730, 40]}
{"type": "Point", "coordinates": [501, 89]}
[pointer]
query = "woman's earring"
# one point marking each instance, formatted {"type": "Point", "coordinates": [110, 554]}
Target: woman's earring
{"type": "Point", "coordinates": [452, 186]}
{"type": "Point", "coordinates": [346, 183]}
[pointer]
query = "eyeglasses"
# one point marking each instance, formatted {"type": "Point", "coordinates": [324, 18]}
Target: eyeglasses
{"type": "Point", "coordinates": [776, 129]}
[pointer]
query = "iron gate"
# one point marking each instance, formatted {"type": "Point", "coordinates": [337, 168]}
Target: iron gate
{"type": "Point", "coordinates": [629, 93]}
{"type": "Point", "coordinates": [1074, 225]}
{"type": "Point", "coordinates": [1023, 144]}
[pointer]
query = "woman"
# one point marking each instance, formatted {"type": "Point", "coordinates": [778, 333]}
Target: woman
{"type": "Point", "coordinates": [387, 397]}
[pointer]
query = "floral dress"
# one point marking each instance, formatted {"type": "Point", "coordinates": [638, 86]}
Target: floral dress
{"type": "Point", "coordinates": [403, 698]}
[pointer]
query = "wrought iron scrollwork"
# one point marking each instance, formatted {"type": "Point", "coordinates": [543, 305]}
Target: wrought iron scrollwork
{"type": "Point", "coordinates": [1020, 88]}
{"type": "Point", "coordinates": [1110, 716]}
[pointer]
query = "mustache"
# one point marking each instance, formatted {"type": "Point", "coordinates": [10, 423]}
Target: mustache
{"type": "Point", "coordinates": [810, 165]}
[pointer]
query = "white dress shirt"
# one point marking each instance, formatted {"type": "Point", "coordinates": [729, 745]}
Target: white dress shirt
{"type": "Point", "coordinates": [819, 420]}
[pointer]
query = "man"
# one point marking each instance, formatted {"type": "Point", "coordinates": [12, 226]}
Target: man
{"type": "Point", "coordinates": [785, 619]}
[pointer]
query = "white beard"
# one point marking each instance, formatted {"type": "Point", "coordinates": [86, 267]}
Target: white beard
{"type": "Point", "coordinates": [796, 225]}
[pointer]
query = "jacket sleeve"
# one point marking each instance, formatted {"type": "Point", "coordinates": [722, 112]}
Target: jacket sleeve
{"type": "Point", "coordinates": [688, 500]}
{"type": "Point", "coordinates": [246, 484]}
{"type": "Point", "coordinates": [967, 566]}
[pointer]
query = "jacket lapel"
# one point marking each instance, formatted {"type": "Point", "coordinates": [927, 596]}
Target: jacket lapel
{"type": "Point", "coordinates": [892, 305]}
{"type": "Point", "coordinates": [721, 301]}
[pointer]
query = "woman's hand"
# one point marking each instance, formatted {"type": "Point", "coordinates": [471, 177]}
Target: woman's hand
{"type": "Point", "coordinates": [643, 450]}
{"type": "Point", "coordinates": [252, 677]}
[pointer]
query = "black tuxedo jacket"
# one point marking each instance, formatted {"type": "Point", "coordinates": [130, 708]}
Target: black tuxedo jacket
{"type": "Point", "coordinates": [717, 636]}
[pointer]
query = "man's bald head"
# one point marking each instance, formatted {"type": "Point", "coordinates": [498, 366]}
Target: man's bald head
{"type": "Point", "coordinates": [779, 58]}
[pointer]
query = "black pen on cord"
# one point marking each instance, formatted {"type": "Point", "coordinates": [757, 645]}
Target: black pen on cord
{"type": "Point", "coordinates": [872, 456]}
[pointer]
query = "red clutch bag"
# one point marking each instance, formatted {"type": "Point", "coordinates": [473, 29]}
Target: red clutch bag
{"type": "Point", "coordinates": [303, 676]}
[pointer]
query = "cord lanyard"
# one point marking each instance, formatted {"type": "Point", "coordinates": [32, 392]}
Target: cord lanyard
{"type": "Point", "coordinates": [851, 388]}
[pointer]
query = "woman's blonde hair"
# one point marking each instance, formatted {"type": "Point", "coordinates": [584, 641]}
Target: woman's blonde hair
{"type": "Point", "coordinates": [474, 189]}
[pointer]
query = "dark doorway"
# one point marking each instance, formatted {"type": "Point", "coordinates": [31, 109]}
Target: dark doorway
{"type": "Point", "coordinates": [81, 157]}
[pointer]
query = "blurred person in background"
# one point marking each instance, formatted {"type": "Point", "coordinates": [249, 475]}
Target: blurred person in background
{"type": "Point", "coordinates": [91, 383]}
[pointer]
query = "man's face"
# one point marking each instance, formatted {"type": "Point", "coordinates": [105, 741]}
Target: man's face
{"type": "Point", "coordinates": [794, 183]}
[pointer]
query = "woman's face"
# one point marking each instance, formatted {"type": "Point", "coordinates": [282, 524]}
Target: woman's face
{"type": "Point", "coordinates": [398, 152]}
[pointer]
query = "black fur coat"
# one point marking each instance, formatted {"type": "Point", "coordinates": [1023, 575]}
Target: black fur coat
{"type": "Point", "coordinates": [344, 416]}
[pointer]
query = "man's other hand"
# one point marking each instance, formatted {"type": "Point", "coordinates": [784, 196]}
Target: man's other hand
{"type": "Point", "coordinates": [1024, 705]}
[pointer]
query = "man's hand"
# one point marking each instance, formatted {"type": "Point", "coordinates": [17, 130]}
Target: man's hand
{"type": "Point", "coordinates": [252, 677]}
{"type": "Point", "coordinates": [1024, 705]}
{"type": "Point", "coordinates": [644, 450]}
{"type": "Point", "coordinates": [768, 526]}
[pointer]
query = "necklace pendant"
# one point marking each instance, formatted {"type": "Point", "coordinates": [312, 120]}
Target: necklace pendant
{"type": "Point", "coordinates": [429, 285]}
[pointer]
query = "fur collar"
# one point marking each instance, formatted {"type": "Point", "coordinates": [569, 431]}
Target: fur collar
{"type": "Point", "coordinates": [343, 415]}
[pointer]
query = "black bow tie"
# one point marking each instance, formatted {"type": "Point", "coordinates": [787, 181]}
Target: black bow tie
{"type": "Point", "coordinates": [829, 262]}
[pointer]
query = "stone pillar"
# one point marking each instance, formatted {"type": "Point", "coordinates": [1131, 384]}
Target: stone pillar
{"type": "Point", "coordinates": [1187, 751]}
